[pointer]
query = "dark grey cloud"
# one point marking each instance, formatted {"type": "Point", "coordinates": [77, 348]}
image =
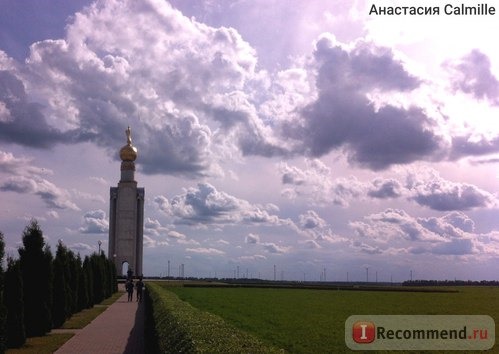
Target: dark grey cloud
{"type": "Point", "coordinates": [463, 146]}
{"type": "Point", "coordinates": [23, 121]}
{"type": "Point", "coordinates": [472, 74]}
{"type": "Point", "coordinates": [458, 247]}
{"type": "Point", "coordinates": [342, 116]}
{"type": "Point", "coordinates": [50, 194]}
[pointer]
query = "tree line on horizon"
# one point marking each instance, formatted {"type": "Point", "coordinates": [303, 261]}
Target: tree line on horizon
{"type": "Point", "coordinates": [39, 292]}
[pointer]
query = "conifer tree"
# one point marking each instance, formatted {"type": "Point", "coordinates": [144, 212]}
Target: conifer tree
{"type": "Point", "coordinates": [87, 270]}
{"type": "Point", "coordinates": [74, 280]}
{"type": "Point", "coordinates": [61, 290]}
{"type": "Point", "coordinates": [98, 275]}
{"type": "Point", "coordinates": [36, 269]}
{"type": "Point", "coordinates": [13, 299]}
{"type": "Point", "coordinates": [3, 311]}
{"type": "Point", "coordinates": [83, 300]}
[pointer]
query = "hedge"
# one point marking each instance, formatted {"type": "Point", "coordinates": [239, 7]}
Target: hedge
{"type": "Point", "coordinates": [181, 328]}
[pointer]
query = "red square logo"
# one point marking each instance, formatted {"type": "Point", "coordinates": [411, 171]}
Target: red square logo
{"type": "Point", "coordinates": [363, 332]}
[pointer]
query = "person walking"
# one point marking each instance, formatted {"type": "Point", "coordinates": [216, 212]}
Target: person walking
{"type": "Point", "coordinates": [129, 289]}
{"type": "Point", "coordinates": [139, 286]}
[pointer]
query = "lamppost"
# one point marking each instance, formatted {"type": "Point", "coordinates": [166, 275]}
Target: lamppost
{"type": "Point", "coordinates": [99, 243]}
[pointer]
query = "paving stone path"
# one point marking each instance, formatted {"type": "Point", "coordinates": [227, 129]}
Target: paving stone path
{"type": "Point", "coordinates": [118, 330]}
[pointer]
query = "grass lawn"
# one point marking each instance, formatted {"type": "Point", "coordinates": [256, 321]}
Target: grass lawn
{"type": "Point", "coordinates": [42, 345]}
{"type": "Point", "coordinates": [82, 318]}
{"type": "Point", "coordinates": [312, 321]}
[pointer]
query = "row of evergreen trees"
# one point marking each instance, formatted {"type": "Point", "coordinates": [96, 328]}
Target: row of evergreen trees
{"type": "Point", "coordinates": [40, 292]}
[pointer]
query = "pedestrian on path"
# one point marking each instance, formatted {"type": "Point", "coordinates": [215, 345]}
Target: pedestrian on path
{"type": "Point", "coordinates": [129, 289]}
{"type": "Point", "coordinates": [140, 286]}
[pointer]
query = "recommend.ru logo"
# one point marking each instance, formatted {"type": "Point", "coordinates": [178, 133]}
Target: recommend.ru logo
{"type": "Point", "coordinates": [419, 332]}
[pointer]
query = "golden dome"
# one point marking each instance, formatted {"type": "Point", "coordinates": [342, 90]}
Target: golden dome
{"type": "Point", "coordinates": [128, 153]}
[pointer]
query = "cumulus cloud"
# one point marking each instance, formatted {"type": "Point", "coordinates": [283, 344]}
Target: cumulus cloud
{"type": "Point", "coordinates": [194, 96]}
{"type": "Point", "coordinates": [95, 222]}
{"type": "Point", "coordinates": [385, 189]}
{"type": "Point", "coordinates": [81, 247]}
{"type": "Point", "coordinates": [252, 238]}
{"type": "Point", "coordinates": [177, 84]}
{"type": "Point", "coordinates": [311, 220]}
{"type": "Point", "coordinates": [208, 251]}
{"type": "Point", "coordinates": [176, 235]}
{"type": "Point", "coordinates": [316, 185]}
{"type": "Point", "coordinates": [312, 244]}
{"type": "Point", "coordinates": [390, 224]}
{"type": "Point", "coordinates": [452, 225]}
{"type": "Point", "coordinates": [153, 227]}
{"type": "Point", "coordinates": [429, 189]}
{"type": "Point", "coordinates": [396, 231]}
{"type": "Point", "coordinates": [273, 248]}
{"type": "Point", "coordinates": [256, 257]}
{"type": "Point", "coordinates": [206, 205]}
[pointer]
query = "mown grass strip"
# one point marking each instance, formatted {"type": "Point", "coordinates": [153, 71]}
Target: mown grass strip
{"type": "Point", "coordinates": [84, 317]}
{"type": "Point", "coordinates": [42, 345]}
{"type": "Point", "coordinates": [182, 328]}
{"type": "Point", "coordinates": [51, 342]}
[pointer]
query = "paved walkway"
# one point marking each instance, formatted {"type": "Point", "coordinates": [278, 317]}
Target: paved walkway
{"type": "Point", "coordinates": [118, 330]}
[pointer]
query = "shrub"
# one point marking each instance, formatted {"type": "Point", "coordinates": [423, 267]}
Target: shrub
{"type": "Point", "coordinates": [181, 328]}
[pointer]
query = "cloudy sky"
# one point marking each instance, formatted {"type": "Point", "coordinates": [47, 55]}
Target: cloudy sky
{"type": "Point", "coordinates": [308, 135]}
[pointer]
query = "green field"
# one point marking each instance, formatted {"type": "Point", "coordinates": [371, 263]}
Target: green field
{"type": "Point", "coordinates": [312, 321]}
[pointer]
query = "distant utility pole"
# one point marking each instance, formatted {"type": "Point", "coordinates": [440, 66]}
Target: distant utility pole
{"type": "Point", "coordinates": [411, 274]}
{"type": "Point", "coordinates": [237, 272]}
{"type": "Point", "coordinates": [168, 268]}
{"type": "Point", "coordinates": [367, 274]}
{"type": "Point", "coordinates": [274, 273]}
{"type": "Point", "coordinates": [376, 276]}
{"type": "Point", "coordinates": [324, 273]}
